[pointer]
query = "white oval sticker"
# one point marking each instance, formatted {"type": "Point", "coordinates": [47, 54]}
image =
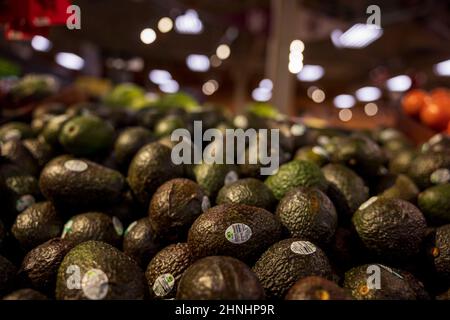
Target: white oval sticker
{"type": "Point", "coordinates": [238, 233]}
{"type": "Point", "coordinates": [231, 177]}
{"type": "Point", "coordinates": [118, 226]}
{"type": "Point", "coordinates": [323, 140]}
{"type": "Point", "coordinates": [368, 203]}
{"type": "Point", "coordinates": [320, 151]}
{"type": "Point", "coordinates": [13, 134]}
{"type": "Point", "coordinates": [67, 228]}
{"type": "Point", "coordinates": [131, 226]}
{"type": "Point", "coordinates": [95, 284]}
{"type": "Point", "coordinates": [303, 247]}
{"type": "Point", "coordinates": [76, 165]}
{"type": "Point", "coordinates": [206, 204]}
{"type": "Point", "coordinates": [298, 130]}
{"type": "Point", "coordinates": [163, 284]}
{"type": "Point", "coordinates": [24, 202]}
{"type": "Point", "coordinates": [440, 176]}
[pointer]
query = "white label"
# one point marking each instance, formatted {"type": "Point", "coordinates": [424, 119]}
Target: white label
{"type": "Point", "coordinates": [24, 202]}
{"type": "Point", "coordinates": [436, 139]}
{"type": "Point", "coordinates": [163, 284]}
{"type": "Point", "coordinates": [391, 271]}
{"type": "Point", "coordinates": [117, 226]}
{"type": "Point", "coordinates": [95, 284]}
{"type": "Point", "coordinates": [131, 226]}
{"type": "Point", "coordinates": [320, 151]}
{"type": "Point", "coordinates": [368, 203]}
{"type": "Point", "coordinates": [298, 130]}
{"type": "Point", "coordinates": [13, 134]}
{"type": "Point", "coordinates": [238, 233]}
{"type": "Point", "coordinates": [76, 165]}
{"type": "Point", "coordinates": [67, 228]}
{"type": "Point", "coordinates": [231, 177]}
{"type": "Point", "coordinates": [440, 176]}
{"type": "Point", "coordinates": [206, 204]}
{"type": "Point", "coordinates": [388, 134]}
{"type": "Point", "coordinates": [323, 140]}
{"type": "Point", "coordinates": [303, 247]}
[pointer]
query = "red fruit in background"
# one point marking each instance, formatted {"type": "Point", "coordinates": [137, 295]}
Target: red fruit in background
{"type": "Point", "coordinates": [448, 128]}
{"type": "Point", "coordinates": [435, 116]}
{"type": "Point", "coordinates": [414, 101]}
{"type": "Point", "coordinates": [441, 97]}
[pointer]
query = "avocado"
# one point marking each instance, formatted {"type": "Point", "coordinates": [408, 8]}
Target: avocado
{"type": "Point", "coordinates": [219, 278]}
{"type": "Point", "coordinates": [40, 265]}
{"type": "Point", "coordinates": [129, 142]}
{"type": "Point", "coordinates": [401, 161]}
{"type": "Point", "coordinates": [296, 173]}
{"type": "Point", "coordinates": [430, 168]}
{"type": "Point", "coordinates": [363, 283]}
{"type": "Point", "coordinates": [316, 288]}
{"type": "Point", "coordinates": [17, 154]}
{"type": "Point", "coordinates": [437, 143]}
{"type": "Point", "coordinates": [140, 241]}
{"type": "Point", "coordinates": [151, 167]}
{"type": "Point", "coordinates": [86, 136]}
{"type": "Point", "coordinates": [435, 203]}
{"type": "Point", "coordinates": [444, 296]}
{"type": "Point", "coordinates": [402, 188]}
{"type": "Point", "coordinates": [15, 131]}
{"type": "Point", "coordinates": [93, 226]}
{"type": "Point", "coordinates": [308, 214]}
{"type": "Point", "coordinates": [394, 146]}
{"type": "Point", "coordinates": [346, 189]}
{"type": "Point", "coordinates": [40, 150]}
{"type": "Point", "coordinates": [148, 117]}
{"type": "Point", "coordinates": [174, 207]}
{"type": "Point", "coordinates": [287, 261]}
{"type": "Point", "coordinates": [25, 294]}
{"type": "Point", "coordinates": [166, 268]}
{"type": "Point", "coordinates": [53, 128]}
{"type": "Point", "coordinates": [315, 154]}
{"type": "Point", "coordinates": [38, 223]}
{"type": "Point", "coordinates": [7, 275]}
{"type": "Point", "coordinates": [391, 228]}
{"type": "Point", "coordinates": [77, 183]}
{"type": "Point", "coordinates": [249, 191]}
{"type": "Point", "coordinates": [438, 251]}
{"type": "Point", "coordinates": [166, 125]}
{"type": "Point", "coordinates": [234, 230]}
{"type": "Point", "coordinates": [95, 270]}
{"type": "Point", "coordinates": [212, 177]}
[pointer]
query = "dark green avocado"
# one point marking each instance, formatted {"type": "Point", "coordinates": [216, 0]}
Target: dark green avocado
{"type": "Point", "coordinates": [435, 203]}
{"type": "Point", "coordinates": [401, 187]}
{"type": "Point", "coordinates": [287, 261]}
{"type": "Point", "coordinates": [249, 191]}
{"type": "Point", "coordinates": [25, 294]}
{"type": "Point", "coordinates": [166, 125]}
{"type": "Point", "coordinates": [41, 151]}
{"type": "Point", "coordinates": [16, 153]}
{"type": "Point", "coordinates": [316, 288]}
{"type": "Point", "coordinates": [174, 207]}
{"type": "Point", "coordinates": [93, 226]}
{"type": "Point", "coordinates": [95, 270]}
{"type": "Point", "coordinates": [129, 142]}
{"type": "Point", "coordinates": [15, 131]}
{"type": "Point", "coordinates": [438, 251]}
{"type": "Point", "coordinates": [401, 161]}
{"type": "Point", "coordinates": [212, 177]}
{"type": "Point", "coordinates": [219, 278]}
{"type": "Point", "coordinates": [430, 168]}
{"type": "Point", "coordinates": [308, 214]}
{"type": "Point", "coordinates": [235, 230]}
{"type": "Point", "coordinates": [166, 268]}
{"type": "Point", "coordinates": [37, 224]}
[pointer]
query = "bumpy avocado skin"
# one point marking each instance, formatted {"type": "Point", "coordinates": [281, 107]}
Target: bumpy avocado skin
{"type": "Point", "coordinates": [129, 142]}
{"type": "Point", "coordinates": [423, 166]}
{"type": "Point", "coordinates": [95, 187]}
{"type": "Point", "coordinates": [211, 177]}
{"type": "Point", "coordinates": [125, 280]}
{"type": "Point", "coordinates": [308, 213]}
{"type": "Point", "coordinates": [316, 288]}
{"type": "Point", "coordinates": [435, 203]}
{"type": "Point", "coordinates": [391, 228]}
{"type": "Point", "coordinates": [219, 278]}
{"type": "Point", "coordinates": [173, 259]}
{"type": "Point", "coordinates": [207, 234]}
{"type": "Point", "coordinates": [280, 267]}
{"type": "Point", "coordinates": [438, 250]}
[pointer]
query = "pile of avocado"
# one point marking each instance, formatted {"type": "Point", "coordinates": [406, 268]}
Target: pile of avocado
{"type": "Point", "coordinates": [94, 208]}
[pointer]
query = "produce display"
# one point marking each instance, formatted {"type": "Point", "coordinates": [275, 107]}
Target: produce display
{"type": "Point", "coordinates": [93, 206]}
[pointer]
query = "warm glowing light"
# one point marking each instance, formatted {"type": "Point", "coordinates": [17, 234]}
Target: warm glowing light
{"type": "Point", "coordinates": [345, 115]}
{"type": "Point", "coordinates": [165, 24]}
{"type": "Point", "coordinates": [318, 96]}
{"type": "Point", "coordinates": [297, 45]}
{"type": "Point", "coordinates": [223, 51]}
{"type": "Point", "coordinates": [148, 35]}
{"type": "Point", "coordinates": [371, 109]}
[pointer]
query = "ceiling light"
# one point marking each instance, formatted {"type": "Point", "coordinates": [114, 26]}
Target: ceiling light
{"type": "Point", "coordinates": [297, 45]}
{"type": "Point", "coordinates": [345, 115]}
{"type": "Point", "coordinates": [189, 23]}
{"type": "Point", "coordinates": [266, 84]}
{"type": "Point", "coordinates": [442, 68]}
{"type": "Point", "coordinates": [344, 101]}
{"type": "Point", "coordinates": [148, 35]}
{"type": "Point", "coordinates": [318, 96]}
{"type": "Point", "coordinates": [159, 76]}
{"type": "Point", "coordinates": [40, 43]}
{"type": "Point", "coordinates": [261, 94]}
{"type": "Point", "coordinates": [371, 109]}
{"type": "Point", "coordinates": [223, 51]}
{"type": "Point", "coordinates": [399, 83]}
{"type": "Point", "coordinates": [170, 86]}
{"type": "Point", "coordinates": [215, 61]}
{"type": "Point", "coordinates": [310, 73]}
{"type": "Point", "coordinates": [295, 66]}
{"type": "Point", "coordinates": [165, 24]}
{"type": "Point", "coordinates": [367, 94]}
{"type": "Point", "coordinates": [197, 62]}
{"type": "Point", "coordinates": [360, 35]}
{"type": "Point", "coordinates": [69, 60]}
{"type": "Point", "coordinates": [135, 64]}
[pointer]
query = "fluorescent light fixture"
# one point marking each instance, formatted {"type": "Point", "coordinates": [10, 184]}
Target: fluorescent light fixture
{"type": "Point", "coordinates": [344, 101]}
{"type": "Point", "coordinates": [345, 115]}
{"type": "Point", "coordinates": [209, 87]}
{"type": "Point", "coordinates": [367, 94]}
{"type": "Point", "coordinates": [223, 51]}
{"type": "Point", "coordinates": [165, 24]}
{"type": "Point", "coordinates": [297, 45]}
{"type": "Point", "coordinates": [40, 43]}
{"type": "Point", "coordinates": [261, 94]}
{"type": "Point", "coordinates": [399, 83]}
{"type": "Point", "coordinates": [335, 35]}
{"type": "Point", "coordinates": [197, 62]}
{"type": "Point", "coordinates": [360, 35]}
{"type": "Point", "coordinates": [189, 23]}
{"type": "Point", "coordinates": [266, 84]}
{"type": "Point", "coordinates": [442, 68]}
{"type": "Point", "coordinates": [148, 35]}
{"type": "Point", "coordinates": [170, 86]}
{"type": "Point", "coordinates": [69, 60]}
{"type": "Point", "coordinates": [158, 76]}
{"type": "Point", "coordinates": [310, 73]}
{"type": "Point", "coordinates": [295, 66]}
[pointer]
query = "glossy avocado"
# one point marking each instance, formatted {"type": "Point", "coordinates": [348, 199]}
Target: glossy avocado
{"type": "Point", "coordinates": [128, 143]}
{"type": "Point", "coordinates": [430, 168]}
{"type": "Point", "coordinates": [316, 288]}
{"type": "Point", "coordinates": [212, 177]}
{"type": "Point", "coordinates": [25, 294]}
{"type": "Point", "coordinates": [435, 204]}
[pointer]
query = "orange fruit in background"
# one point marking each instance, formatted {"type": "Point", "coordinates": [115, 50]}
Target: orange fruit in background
{"type": "Point", "coordinates": [435, 116]}
{"type": "Point", "coordinates": [441, 97]}
{"type": "Point", "coordinates": [448, 128]}
{"type": "Point", "coordinates": [414, 101]}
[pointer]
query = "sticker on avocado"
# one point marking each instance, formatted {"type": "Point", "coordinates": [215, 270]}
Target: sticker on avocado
{"type": "Point", "coordinates": [95, 284]}
{"type": "Point", "coordinates": [368, 203]}
{"type": "Point", "coordinates": [320, 151]}
{"type": "Point", "coordinates": [75, 165]}
{"type": "Point", "coordinates": [67, 228]}
{"type": "Point", "coordinates": [436, 139]}
{"type": "Point", "coordinates": [130, 227]}
{"type": "Point", "coordinates": [117, 226]}
{"type": "Point", "coordinates": [231, 177]}
{"type": "Point", "coordinates": [206, 204]}
{"type": "Point", "coordinates": [24, 202]}
{"type": "Point", "coordinates": [13, 134]}
{"type": "Point", "coordinates": [163, 284]}
{"type": "Point", "coordinates": [298, 130]}
{"type": "Point", "coordinates": [391, 271]}
{"type": "Point", "coordinates": [303, 247]}
{"type": "Point", "coordinates": [323, 140]}
{"type": "Point", "coordinates": [388, 134]}
{"type": "Point", "coordinates": [238, 233]}
{"type": "Point", "coordinates": [440, 176]}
